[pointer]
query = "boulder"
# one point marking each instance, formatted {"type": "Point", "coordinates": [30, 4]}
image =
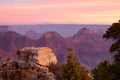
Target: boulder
{"type": "Point", "coordinates": [31, 55]}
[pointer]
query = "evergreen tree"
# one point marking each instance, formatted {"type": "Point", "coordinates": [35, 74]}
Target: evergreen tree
{"type": "Point", "coordinates": [104, 70]}
{"type": "Point", "coordinates": [101, 72]}
{"type": "Point", "coordinates": [114, 33]}
{"type": "Point", "coordinates": [72, 69]}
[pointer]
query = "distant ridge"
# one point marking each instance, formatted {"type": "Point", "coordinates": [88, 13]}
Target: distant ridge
{"type": "Point", "coordinates": [33, 34]}
{"type": "Point", "coordinates": [89, 45]}
{"type": "Point", "coordinates": [5, 28]}
{"type": "Point", "coordinates": [65, 30]}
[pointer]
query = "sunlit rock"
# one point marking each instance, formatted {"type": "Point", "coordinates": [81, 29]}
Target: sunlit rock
{"type": "Point", "coordinates": [31, 56]}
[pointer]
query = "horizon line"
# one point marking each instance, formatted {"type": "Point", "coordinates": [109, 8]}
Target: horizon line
{"type": "Point", "coordinates": [53, 24]}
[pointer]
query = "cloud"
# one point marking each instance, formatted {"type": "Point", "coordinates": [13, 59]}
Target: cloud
{"type": "Point", "coordinates": [16, 1]}
{"type": "Point", "coordinates": [59, 11]}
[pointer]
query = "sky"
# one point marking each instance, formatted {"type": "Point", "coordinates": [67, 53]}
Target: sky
{"type": "Point", "coordinates": [59, 11]}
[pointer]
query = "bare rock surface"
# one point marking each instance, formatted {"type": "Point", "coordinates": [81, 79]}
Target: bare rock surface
{"type": "Point", "coordinates": [29, 65]}
{"type": "Point", "coordinates": [43, 55]}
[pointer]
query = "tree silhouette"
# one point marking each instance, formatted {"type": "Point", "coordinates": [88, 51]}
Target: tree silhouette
{"type": "Point", "coordinates": [112, 72]}
{"type": "Point", "coordinates": [101, 72]}
{"type": "Point", "coordinates": [114, 33]}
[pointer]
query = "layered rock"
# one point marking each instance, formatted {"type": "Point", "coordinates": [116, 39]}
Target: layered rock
{"type": "Point", "coordinates": [87, 44]}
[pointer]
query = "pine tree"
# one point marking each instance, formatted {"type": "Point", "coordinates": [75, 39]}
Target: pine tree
{"type": "Point", "coordinates": [101, 72]}
{"type": "Point", "coordinates": [114, 33]}
{"type": "Point", "coordinates": [72, 69]}
{"type": "Point", "coordinates": [110, 72]}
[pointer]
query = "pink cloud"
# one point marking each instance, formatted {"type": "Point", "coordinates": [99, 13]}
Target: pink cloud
{"type": "Point", "coordinates": [61, 11]}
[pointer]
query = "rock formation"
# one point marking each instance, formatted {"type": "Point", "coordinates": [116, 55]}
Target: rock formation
{"type": "Point", "coordinates": [87, 44]}
{"type": "Point", "coordinates": [12, 71]}
{"type": "Point", "coordinates": [43, 56]}
{"type": "Point", "coordinates": [31, 64]}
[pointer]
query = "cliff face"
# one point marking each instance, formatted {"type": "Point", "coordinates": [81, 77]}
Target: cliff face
{"type": "Point", "coordinates": [12, 41]}
{"type": "Point", "coordinates": [87, 44]}
{"type": "Point", "coordinates": [55, 42]}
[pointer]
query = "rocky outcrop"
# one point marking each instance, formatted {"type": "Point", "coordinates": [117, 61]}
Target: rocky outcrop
{"type": "Point", "coordinates": [42, 56]}
{"type": "Point", "coordinates": [12, 71]}
{"type": "Point", "coordinates": [29, 65]}
{"type": "Point", "coordinates": [45, 74]}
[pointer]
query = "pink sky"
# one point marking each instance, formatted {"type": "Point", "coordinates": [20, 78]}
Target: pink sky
{"type": "Point", "coordinates": [59, 11]}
